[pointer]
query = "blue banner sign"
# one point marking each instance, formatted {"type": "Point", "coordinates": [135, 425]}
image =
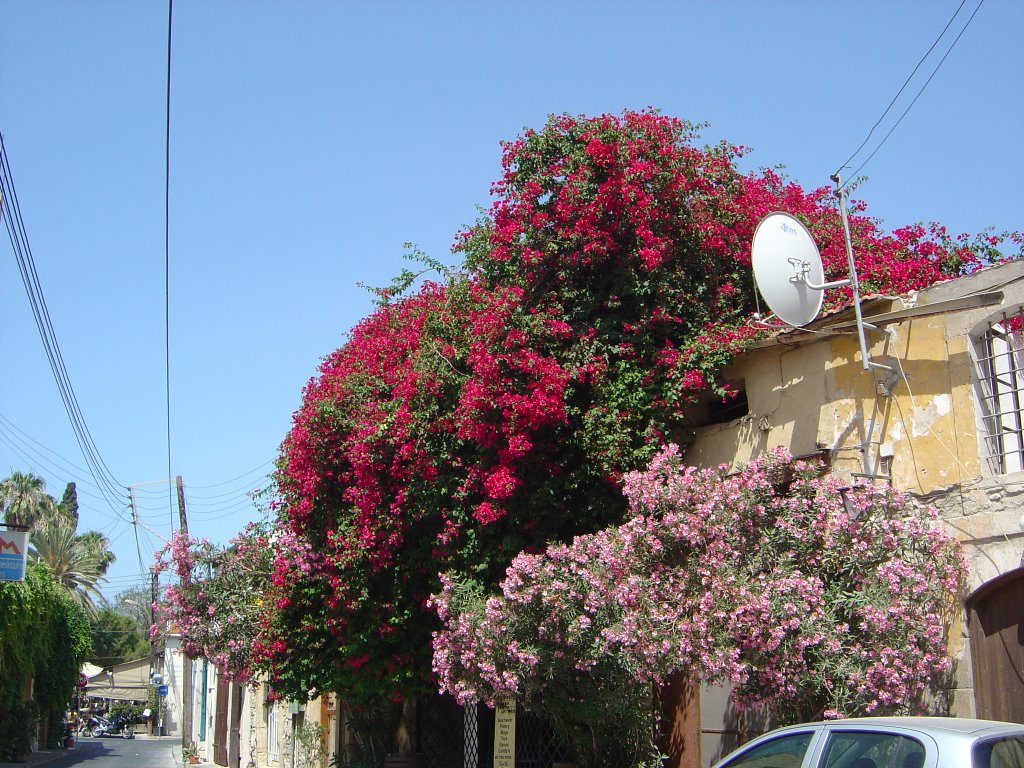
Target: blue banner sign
{"type": "Point", "coordinates": [13, 555]}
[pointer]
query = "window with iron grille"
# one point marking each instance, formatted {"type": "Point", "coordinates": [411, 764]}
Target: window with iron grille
{"type": "Point", "coordinates": [272, 733]}
{"type": "Point", "coordinates": [1000, 353]}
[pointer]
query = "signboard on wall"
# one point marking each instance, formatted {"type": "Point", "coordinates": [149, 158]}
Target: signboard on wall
{"type": "Point", "coordinates": [505, 733]}
{"type": "Point", "coordinates": [13, 555]}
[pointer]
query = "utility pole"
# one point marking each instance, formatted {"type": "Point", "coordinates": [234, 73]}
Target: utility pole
{"type": "Point", "coordinates": [186, 664]}
{"type": "Point", "coordinates": [154, 659]}
{"type": "Point", "coordinates": [154, 586]}
{"type": "Point", "coordinates": [156, 653]}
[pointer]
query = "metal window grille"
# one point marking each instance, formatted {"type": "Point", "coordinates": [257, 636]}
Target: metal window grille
{"type": "Point", "coordinates": [272, 732]}
{"type": "Point", "coordinates": [1001, 376]}
{"type": "Point", "coordinates": [454, 737]}
{"type": "Point", "coordinates": [537, 746]}
{"type": "Point", "coordinates": [447, 733]}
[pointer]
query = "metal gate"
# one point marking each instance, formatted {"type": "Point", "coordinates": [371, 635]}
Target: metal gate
{"type": "Point", "coordinates": [451, 736]}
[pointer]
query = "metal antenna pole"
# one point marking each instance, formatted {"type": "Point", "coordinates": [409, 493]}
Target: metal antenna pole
{"type": "Point", "coordinates": [854, 286]}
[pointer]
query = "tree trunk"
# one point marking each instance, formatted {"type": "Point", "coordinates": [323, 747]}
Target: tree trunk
{"type": "Point", "coordinates": [680, 737]}
{"type": "Point", "coordinates": [402, 715]}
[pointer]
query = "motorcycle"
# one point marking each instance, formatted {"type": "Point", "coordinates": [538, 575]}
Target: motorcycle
{"type": "Point", "coordinates": [118, 725]}
{"type": "Point", "coordinates": [91, 724]}
{"type": "Point", "coordinates": [121, 725]}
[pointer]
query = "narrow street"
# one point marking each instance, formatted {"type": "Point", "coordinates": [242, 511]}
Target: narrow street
{"type": "Point", "coordinates": [141, 752]}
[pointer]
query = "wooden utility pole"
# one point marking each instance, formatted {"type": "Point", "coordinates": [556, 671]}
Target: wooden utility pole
{"type": "Point", "coordinates": [186, 664]}
{"type": "Point", "coordinates": [154, 659]}
{"type": "Point", "coordinates": [154, 589]}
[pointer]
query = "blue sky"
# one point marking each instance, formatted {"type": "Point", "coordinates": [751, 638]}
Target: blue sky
{"type": "Point", "coordinates": [310, 140]}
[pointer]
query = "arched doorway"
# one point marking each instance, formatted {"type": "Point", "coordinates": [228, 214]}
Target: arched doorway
{"type": "Point", "coordinates": [995, 614]}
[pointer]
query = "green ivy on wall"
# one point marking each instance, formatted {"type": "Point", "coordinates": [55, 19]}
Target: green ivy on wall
{"type": "Point", "coordinates": [44, 638]}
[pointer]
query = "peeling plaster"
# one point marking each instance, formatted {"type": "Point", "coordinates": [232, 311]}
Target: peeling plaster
{"type": "Point", "coordinates": [896, 433]}
{"type": "Point", "coordinates": [925, 418]}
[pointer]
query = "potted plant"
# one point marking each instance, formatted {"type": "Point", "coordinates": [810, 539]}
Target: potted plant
{"type": "Point", "coordinates": [189, 754]}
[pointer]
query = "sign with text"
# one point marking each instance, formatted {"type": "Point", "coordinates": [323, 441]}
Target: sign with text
{"type": "Point", "coordinates": [13, 555]}
{"type": "Point", "coordinates": [505, 733]}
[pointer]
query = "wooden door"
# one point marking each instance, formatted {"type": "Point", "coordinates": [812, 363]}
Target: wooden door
{"type": "Point", "coordinates": [220, 723]}
{"type": "Point", "coordinates": [235, 726]}
{"type": "Point", "coordinates": [996, 616]}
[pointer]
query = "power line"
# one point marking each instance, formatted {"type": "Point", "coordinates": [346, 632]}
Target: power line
{"type": "Point", "coordinates": [167, 250]}
{"type": "Point", "coordinates": [252, 471]}
{"type": "Point", "coordinates": [10, 210]}
{"type": "Point", "coordinates": [31, 451]}
{"type": "Point", "coordinates": [238, 488]}
{"type": "Point", "coordinates": [907, 82]}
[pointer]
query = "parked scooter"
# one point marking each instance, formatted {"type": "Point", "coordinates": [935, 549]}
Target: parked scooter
{"type": "Point", "coordinates": [93, 725]}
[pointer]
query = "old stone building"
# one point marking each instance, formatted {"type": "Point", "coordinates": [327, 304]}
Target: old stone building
{"type": "Point", "coordinates": [942, 421]}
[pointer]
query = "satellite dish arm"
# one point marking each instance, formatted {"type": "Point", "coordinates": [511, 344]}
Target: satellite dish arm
{"type": "Point", "coordinates": [864, 355]}
{"type": "Point", "coordinates": [802, 274]}
{"type": "Point", "coordinates": [823, 286]}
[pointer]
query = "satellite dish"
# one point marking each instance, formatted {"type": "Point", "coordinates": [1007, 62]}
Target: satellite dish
{"type": "Point", "coordinates": [788, 270]}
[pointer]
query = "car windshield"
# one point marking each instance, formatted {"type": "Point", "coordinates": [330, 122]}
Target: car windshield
{"type": "Point", "coordinates": [999, 753]}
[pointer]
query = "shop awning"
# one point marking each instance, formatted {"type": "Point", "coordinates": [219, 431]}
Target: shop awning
{"type": "Point", "coordinates": [124, 682]}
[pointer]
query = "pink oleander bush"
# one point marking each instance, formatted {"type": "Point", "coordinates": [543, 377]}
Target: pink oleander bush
{"type": "Point", "coordinates": [501, 407]}
{"type": "Point", "coordinates": [217, 600]}
{"type": "Point", "coordinates": [761, 579]}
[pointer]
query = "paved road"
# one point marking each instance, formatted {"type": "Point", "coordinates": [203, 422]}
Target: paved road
{"type": "Point", "coordinates": [111, 753]}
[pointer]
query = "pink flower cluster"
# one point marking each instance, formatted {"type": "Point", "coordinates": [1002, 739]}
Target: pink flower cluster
{"type": "Point", "coordinates": [218, 603]}
{"type": "Point", "coordinates": [761, 579]}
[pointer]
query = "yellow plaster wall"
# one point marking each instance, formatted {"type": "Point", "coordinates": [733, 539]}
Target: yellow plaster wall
{"type": "Point", "coordinates": [816, 395]}
{"type": "Point", "coordinates": [809, 392]}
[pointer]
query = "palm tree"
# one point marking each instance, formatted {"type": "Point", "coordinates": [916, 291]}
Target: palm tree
{"type": "Point", "coordinates": [136, 603]}
{"type": "Point", "coordinates": [24, 500]}
{"type": "Point", "coordinates": [100, 544]}
{"type": "Point", "coordinates": [76, 562]}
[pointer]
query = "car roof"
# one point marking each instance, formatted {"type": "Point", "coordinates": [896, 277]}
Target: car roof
{"type": "Point", "coordinates": [946, 730]}
{"type": "Point", "coordinates": [949, 725]}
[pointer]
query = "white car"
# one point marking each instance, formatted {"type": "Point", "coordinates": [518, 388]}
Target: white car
{"type": "Point", "coordinates": [886, 742]}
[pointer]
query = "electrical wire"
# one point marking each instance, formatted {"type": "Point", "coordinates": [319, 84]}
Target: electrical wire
{"type": "Point", "coordinates": [79, 485]}
{"type": "Point", "coordinates": [238, 489]}
{"type": "Point", "coordinates": [10, 210]}
{"type": "Point", "coordinates": [885, 138]}
{"type": "Point", "coordinates": [252, 471]}
{"type": "Point", "coordinates": [31, 451]}
{"type": "Point", "coordinates": [167, 251]}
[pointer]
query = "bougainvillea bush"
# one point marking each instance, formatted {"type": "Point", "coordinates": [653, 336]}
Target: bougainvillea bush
{"type": "Point", "coordinates": [500, 407]}
{"type": "Point", "coordinates": [218, 597]}
{"type": "Point", "coordinates": [764, 579]}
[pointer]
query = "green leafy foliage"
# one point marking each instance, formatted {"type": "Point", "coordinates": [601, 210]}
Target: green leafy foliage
{"type": "Point", "coordinates": [116, 638]}
{"type": "Point", "coordinates": [44, 638]}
